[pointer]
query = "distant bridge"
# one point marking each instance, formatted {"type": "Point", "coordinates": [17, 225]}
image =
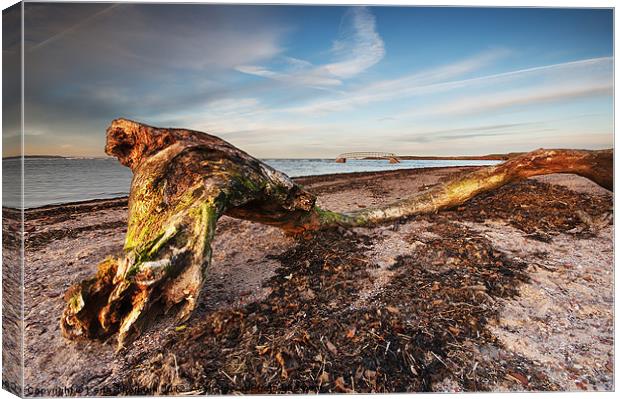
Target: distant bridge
{"type": "Point", "coordinates": [342, 158]}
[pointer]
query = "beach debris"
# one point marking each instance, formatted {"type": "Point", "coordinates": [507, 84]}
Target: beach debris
{"type": "Point", "coordinates": [184, 181]}
{"type": "Point", "coordinates": [517, 377]}
{"type": "Point", "coordinates": [540, 210]}
{"type": "Point", "coordinates": [413, 350]}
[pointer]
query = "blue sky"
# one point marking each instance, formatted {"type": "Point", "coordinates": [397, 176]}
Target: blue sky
{"type": "Point", "coordinates": [286, 81]}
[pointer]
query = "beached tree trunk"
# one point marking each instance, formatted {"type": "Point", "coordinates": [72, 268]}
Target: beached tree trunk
{"type": "Point", "coordinates": [185, 180]}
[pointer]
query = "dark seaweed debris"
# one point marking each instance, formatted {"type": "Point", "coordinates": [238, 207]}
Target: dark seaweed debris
{"type": "Point", "coordinates": [427, 325]}
{"type": "Point", "coordinates": [540, 210]}
{"type": "Point", "coordinates": [428, 329]}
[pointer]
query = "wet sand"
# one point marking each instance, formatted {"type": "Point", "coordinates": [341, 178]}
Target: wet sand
{"type": "Point", "coordinates": [545, 323]}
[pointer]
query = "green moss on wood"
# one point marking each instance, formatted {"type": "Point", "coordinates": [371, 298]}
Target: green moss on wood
{"type": "Point", "coordinates": [76, 302]}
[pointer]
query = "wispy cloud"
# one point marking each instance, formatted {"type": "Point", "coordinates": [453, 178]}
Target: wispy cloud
{"type": "Point", "coordinates": [358, 48]}
{"type": "Point", "coordinates": [297, 72]}
{"type": "Point", "coordinates": [72, 28]}
{"type": "Point", "coordinates": [545, 84]}
{"type": "Point", "coordinates": [130, 35]}
{"type": "Point", "coordinates": [569, 80]}
{"type": "Point", "coordinates": [495, 102]}
{"type": "Point", "coordinates": [416, 83]}
{"type": "Point", "coordinates": [98, 62]}
{"type": "Point", "coordinates": [465, 132]}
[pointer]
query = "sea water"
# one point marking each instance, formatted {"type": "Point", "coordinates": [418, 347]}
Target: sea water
{"type": "Point", "coordinates": [51, 181]}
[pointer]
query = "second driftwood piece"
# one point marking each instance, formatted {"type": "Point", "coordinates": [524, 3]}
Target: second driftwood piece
{"type": "Point", "coordinates": [184, 181]}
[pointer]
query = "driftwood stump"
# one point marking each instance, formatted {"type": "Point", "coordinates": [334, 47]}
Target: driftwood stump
{"type": "Point", "coordinates": [184, 181]}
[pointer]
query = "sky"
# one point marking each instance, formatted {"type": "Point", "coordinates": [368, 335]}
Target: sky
{"type": "Point", "coordinates": [313, 82]}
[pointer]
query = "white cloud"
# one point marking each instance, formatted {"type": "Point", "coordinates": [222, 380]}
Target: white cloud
{"type": "Point", "coordinates": [545, 84]}
{"type": "Point", "coordinates": [409, 85]}
{"type": "Point", "coordinates": [233, 105]}
{"type": "Point", "coordinates": [123, 35]}
{"type": "Point", "coordinates": [311, 77]}
{"type": "Point", "coordinates": [358, 48]}
{"type": "Point", "coordinates": [531, 96]}
{"type": "Point", "coordinates": [594, 76]}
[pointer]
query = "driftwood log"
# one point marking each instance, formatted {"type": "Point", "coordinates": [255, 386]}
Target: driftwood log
{"type": "Point", "coordinates": [184, 180]}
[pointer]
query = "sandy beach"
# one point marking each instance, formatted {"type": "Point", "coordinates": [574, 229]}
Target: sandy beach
{"type": "Point", "coordinates": [511, 292]}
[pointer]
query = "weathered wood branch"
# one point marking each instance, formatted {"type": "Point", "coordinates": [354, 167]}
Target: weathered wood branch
{"type": "Point", "coordinates": [184, 181]}
{"type": "Point", "coordinates": [594, 165]}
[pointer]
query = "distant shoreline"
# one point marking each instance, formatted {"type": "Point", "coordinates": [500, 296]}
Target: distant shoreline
{"type": "Point", "coordinates": [33, 156]}
{"type": "Point", "coordinates": [488, 157]}
{"type": "Point", "coordinates": [303, 180]}
{"type": "Point", "coordinates": [53, 157]}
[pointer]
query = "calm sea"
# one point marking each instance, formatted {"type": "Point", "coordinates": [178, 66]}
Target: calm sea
{"type": "Point", "coordinates": [60, 180]}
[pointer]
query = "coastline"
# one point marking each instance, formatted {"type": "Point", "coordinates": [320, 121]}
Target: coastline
{"type": "Point", "coordinates": [488, 157]}
{"type": "Point", "coordinates": [534, 325]}
{"type": "Point", "coordinates": [94, 202]}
